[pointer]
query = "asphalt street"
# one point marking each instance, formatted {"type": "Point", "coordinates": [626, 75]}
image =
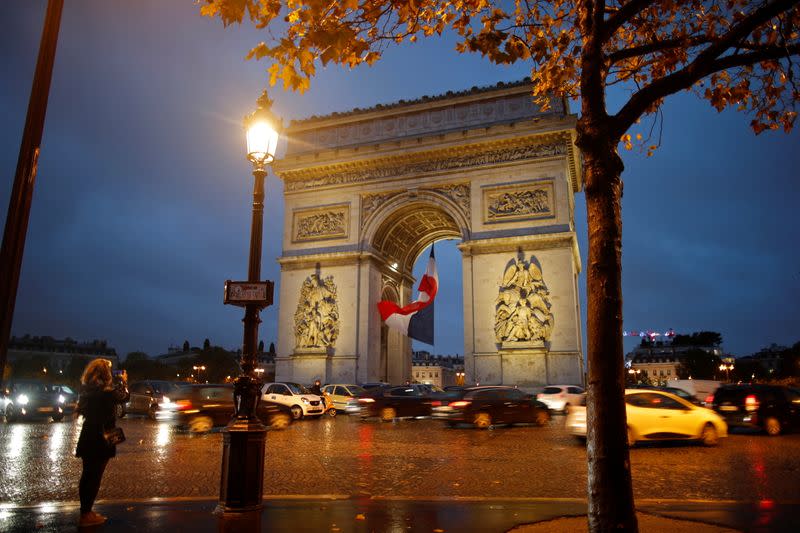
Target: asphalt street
{"type": "Point", "coordinates": [414, 459]}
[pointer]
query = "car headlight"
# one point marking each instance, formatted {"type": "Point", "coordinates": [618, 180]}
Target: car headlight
{"type": "Point", "coordinates": [165, 400]}
{"type": "Point", "coordinates": [304, 399]}
{"type": "Point", "coordinates": [61, 398]}
{"type": "Point", "coordinates": [22, 399]}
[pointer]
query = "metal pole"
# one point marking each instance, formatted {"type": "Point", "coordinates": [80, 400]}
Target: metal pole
{"type": "Point", "coordinates": [19, 205]}
{"type": "Point", "coordinates": [244, 439]}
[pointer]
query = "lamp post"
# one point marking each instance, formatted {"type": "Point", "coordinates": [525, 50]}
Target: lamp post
{"type": "Point", "coordinates": [634, 372]}
{"type": "Point", "coordinates": [199, 369]}
{"type": "Point", "coordinates": [242, 482]}
{"type": "Point", "coordinates": [727, 369]}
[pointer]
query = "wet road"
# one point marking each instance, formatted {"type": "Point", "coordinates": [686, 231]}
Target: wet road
{"type": "Point", "coordinates": [410, 458]}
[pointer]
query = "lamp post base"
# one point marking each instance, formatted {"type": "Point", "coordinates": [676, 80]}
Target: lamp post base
{"type": "Point", "coordinates": [242, 483]}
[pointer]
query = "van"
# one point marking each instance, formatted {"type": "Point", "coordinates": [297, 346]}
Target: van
{"type": "Point", "coordinates": [699, 388]}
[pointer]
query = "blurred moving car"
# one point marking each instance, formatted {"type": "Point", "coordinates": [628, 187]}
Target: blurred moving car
{"type": "Point", "coordinates": [374, 385]}
{"type": "Point", "coordinates": [148, 396]}
{"type": "Point", "coordinates": [70, 397]}
{"type": "Point", "coordinates": [770, 408]}
{"type": "Point", "coordinates": [491, 405]}
{"type": "Point", "coordinates": [655, 415]}
{"type": "Point", "coordinates": [30, 399]}
{"type": "Point", "coordinates": [295, 396]}
{"type": "Point", "coordinates": [702, 389]}
{"type": "Point", "coordinates": [388, 403]}
{"type": "Point", "coordinates": [680, 393]}
{"type": "Point", "coordinates": [340, 394]}
{"type": "Point", "coordinates": [201, 407]}
{"type": "Point", "coordinates": [561, 397]}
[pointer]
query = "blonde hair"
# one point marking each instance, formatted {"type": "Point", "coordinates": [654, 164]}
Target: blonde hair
{"type": "Point", "coordinates": [97, 374]}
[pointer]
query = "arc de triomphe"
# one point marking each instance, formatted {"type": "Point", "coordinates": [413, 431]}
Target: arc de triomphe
{"type": "Point", "coordinates": [367, 191]}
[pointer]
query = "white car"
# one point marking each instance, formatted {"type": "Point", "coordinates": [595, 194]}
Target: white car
{"type": "Point", "coordinates": [340, 394]}
{"type": "Point", "coordinates": [298, 398]}
{"type": "Point", "coordinates": [658, 415]}
{"type": "Point", "coordinates": [561, 397]}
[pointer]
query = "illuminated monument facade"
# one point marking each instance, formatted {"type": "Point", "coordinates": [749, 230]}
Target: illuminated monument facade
{"type": "Point", "coordinates": [367, 191]}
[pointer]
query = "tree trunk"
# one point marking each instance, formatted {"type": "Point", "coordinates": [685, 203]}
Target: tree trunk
{"type": "Point", "coordinates": [610, 495]}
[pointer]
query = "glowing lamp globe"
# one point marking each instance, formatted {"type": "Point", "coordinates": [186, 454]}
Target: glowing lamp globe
{"type": "Point", "coordinates": [262, 140]}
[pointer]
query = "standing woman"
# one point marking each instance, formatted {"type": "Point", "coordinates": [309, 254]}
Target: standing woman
{"type": "Point", "coordinates": [100, 394]}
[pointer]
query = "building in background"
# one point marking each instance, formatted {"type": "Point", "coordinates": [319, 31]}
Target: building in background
{"type": "Point", "coordinates": [439, 370]}
{"type": "Point", "coordinates": [655, 362]}
{"type": "Point", "coordinates": [55, 356]}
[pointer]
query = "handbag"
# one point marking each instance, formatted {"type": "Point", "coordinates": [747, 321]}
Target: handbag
{"type": "Point", "coordinates": [114, 436]}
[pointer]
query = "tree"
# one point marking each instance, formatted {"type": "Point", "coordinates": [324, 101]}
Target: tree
{"type": "Point", "coordinates": [185, 346]}
{"type": "Point", "coordinates": [702, 338]}
{"type": "Point", "coordinates": [698, 364]}
{"type": "Point", "coordinates": [260, 346]}
{"type": "Point", "coordinates": [734, 53]}
{"type": "Point", "coordinates": [206, 345]}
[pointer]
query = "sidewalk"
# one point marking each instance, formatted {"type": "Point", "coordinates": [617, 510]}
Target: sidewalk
{"type": "Point", "coordinates": [300, 514]}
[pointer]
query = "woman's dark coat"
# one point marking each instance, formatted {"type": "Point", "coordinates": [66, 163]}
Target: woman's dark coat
{"type": "Point", "coordinates": [99, 410]}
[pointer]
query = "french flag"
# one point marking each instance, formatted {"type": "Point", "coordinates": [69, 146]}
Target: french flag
{"type": "Point", "coordinates": [415, 319]}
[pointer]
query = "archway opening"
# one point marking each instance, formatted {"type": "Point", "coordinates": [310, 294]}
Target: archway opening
{"type": "Point", "coordinates": [403, 239]}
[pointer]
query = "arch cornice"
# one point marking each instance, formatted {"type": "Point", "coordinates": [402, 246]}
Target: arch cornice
{"type": "Point", "coordinates": [346, 167]}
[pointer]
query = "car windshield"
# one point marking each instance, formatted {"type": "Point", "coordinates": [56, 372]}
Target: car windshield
{"type": "Point", "coordinates": [355, 390]}
{"type": "Point", "coordinates": [31, 387]}
{"type": "Point", "coordinates": [296, 388]}
{"type": "Point", "coordinates": [551, 390]}
{"type": "Point", "coordinates": [67, 390]}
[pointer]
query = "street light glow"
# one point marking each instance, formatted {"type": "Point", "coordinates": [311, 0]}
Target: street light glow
{"type": "Point", "coordinates": [262, 140]}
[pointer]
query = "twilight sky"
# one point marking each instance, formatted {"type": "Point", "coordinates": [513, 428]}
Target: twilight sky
{"type": "Point", "coordinates": [142, 201]}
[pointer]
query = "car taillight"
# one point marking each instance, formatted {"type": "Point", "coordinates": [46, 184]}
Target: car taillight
{"type": "Point", "coordinates": [710, 399]}
{"type": "Point", "coordinates": [436, 403]}
{"type": "Point", "coordinates": [366, 400]}
{"type": "Point", "coordinates": [459, 404]}
{"type": "Point", "coordinates": [751, 403]}
{"type": "Point", "coordinates": [183, 405]}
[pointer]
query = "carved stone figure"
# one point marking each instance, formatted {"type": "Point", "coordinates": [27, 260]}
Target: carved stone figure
{"type": "Point", "coordinates": [316, 320]}
{"type": "Point", "coordinates": [522, 308]}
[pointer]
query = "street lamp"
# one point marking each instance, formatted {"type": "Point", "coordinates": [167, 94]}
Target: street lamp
{"type": "Point", "coordinates": [634, 372]}
{"type": "Point", "coordinates": [242, 483]}
{"type": "Point", "coordinates": [199, 369]}
{"type": "Point", "coordinates": [727, 369]}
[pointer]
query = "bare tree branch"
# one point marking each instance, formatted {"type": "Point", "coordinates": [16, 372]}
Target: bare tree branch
{"type": "Point", "coordinates": [655, 46]}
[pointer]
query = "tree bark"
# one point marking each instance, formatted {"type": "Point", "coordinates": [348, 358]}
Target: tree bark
{"type": "Point", "coordinates": [611, 505]}
{"type": "Point", "coordinates": [610, 489]}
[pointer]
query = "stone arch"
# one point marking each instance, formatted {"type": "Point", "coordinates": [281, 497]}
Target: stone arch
{"type": "Point", "coordinates": [367, 191]}
{"type": "Point", "coordinates": [408, 223]}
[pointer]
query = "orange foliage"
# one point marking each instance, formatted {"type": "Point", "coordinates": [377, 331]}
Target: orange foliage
{"type": "Point", "coordinates": [734, 53]}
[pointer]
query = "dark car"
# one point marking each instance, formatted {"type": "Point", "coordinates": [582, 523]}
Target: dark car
{"type": "Point", "coordinates": [771, 408]}
{"type": "Point", "coordinates": [29, 399]}
{"type": "Point", "coordinates": [147, 397]}
{"type": "Point", "coordinates": [491, 405]}
{"type": "Point", "coordinates": [388, 403]}
{"type": "Point", "coordinates": [70, 397]}
{"type": "Point", "coordinates": [199, 408]}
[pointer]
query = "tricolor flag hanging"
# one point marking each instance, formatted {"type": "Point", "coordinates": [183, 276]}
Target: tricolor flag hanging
{"type": "Point", "coordinates": [416, 319]}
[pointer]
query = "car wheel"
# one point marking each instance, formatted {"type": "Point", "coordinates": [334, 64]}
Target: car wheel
{"type": "Point", "coordinates": [482, 420]}
{"type": "Point", "coordinates": [388, 414]}
{"type": "Point", "coordinates": [200, 424]}
{"type": "Point", "coordinates": [58, 417]}
{"type": "Point", "coordinates": [709, 435]}
{"type": "Point", "coordinates": [120, 411]}
{"type": "Point", "coordinates": [566, 408]}
{"type": "Point", "coordinates": [541, 417]}
{"type": "Point", "coordinates": [280, 421]}
{"type": "Point", "coordinates": [331, 412]}
{"type": "Point", "coordinates": [297, 412]}
{"type": "Point", "coordinates": [772, 426]}
{"type": "Point", "coordinates": [151, 412]}
{"type": "Point", "coordinates": [631, 438]}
